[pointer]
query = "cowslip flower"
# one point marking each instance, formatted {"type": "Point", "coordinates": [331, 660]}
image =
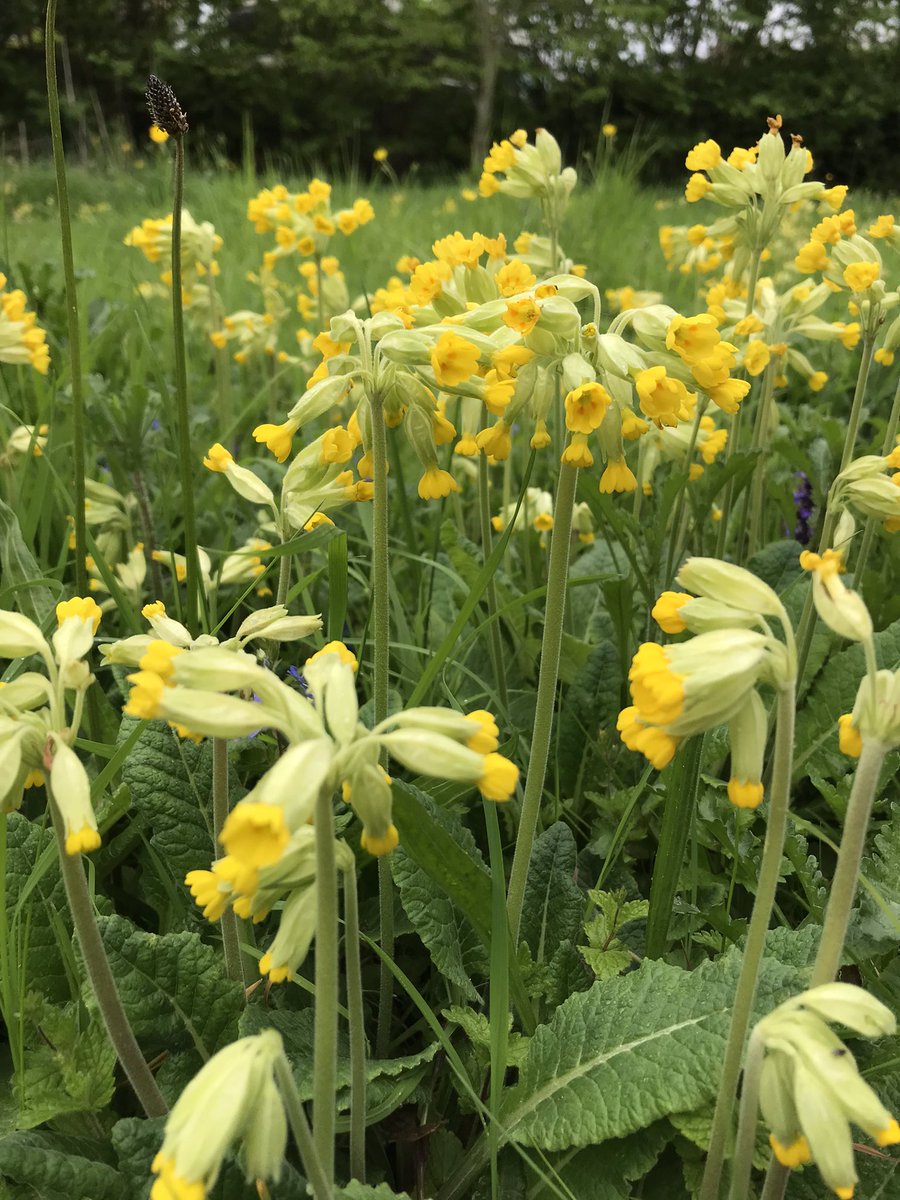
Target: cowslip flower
{"type": "Point", "coordinates": [40, 715]}
{"type": "Point", "coordinates": [22, 340]}
{"type": "Point", "coordinates": [233, 1098]}
{"type": "Point", "coordinates": [686, 688]}
{"type": "Point", "coordinates": [810, 1086]}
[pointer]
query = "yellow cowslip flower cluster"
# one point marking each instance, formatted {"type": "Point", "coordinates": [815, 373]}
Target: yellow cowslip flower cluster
{"type": "Point", "coordinates": [528, 169]}
{"type": "Point", "coordinates": [693, 248]}
{"type": "Point", "coordinates": [672, 443]}
{"type": "Point", "coordinates": [619, 299]}
{"type": "Point", "coordinates": [40, 715]}
{"type": "Point", "coordinates": [304, 222]}
{"type": "Point", "coordinates": [22, 340]}
{"type": "Point", "coordinates": [686, 688]}
{"type": "Point", "coordinates": [268, 837]}
{"type": "Point", "coordinates": [757, 186]}
{"type": "Point", "coordinates": [24, 439]}
{"type": "Point", "coordinates": [199, 245]}
{"type": "Point", "coordinates": [779, 322]}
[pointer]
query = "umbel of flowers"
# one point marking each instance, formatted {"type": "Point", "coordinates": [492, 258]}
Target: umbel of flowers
{"type": "Point", "coordinates": [41, 712]}
{"type": "Point", "coordinates": [688, 687]}
{"type": "Point", "coordinates": [268, 838]}
{"type": "Point", "coordinates": [199, 245]}
{"type": "Point", "coordinates": [811, 1090]}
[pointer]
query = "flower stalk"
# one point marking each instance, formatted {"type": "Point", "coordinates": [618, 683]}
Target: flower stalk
{"type": "Point", "coordinates": [326, 1014]}
{"type": "Point", "coordinates": [756, 935]}
{"type": "Point", "coordinates": [554, 611]}
{"type": "Point", "coordinates": [357, 1029]}
{"type": "Point", "coordinates": [100, 973]}
{"type": "Point", "coordinates": [230, 939]}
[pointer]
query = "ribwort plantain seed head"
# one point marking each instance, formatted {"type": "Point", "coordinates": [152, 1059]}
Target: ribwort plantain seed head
{"type": "Point", "coordinates": [165, 111]}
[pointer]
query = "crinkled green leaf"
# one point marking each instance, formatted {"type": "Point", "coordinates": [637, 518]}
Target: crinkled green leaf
{"type": "Point", "coordinates": [170, 781]}
{"type": "Point", "coordinates": [634, 1049]}
{"type": "Point", "coordinates": [35, 904]}
{"type": "Point", "coordinates": [174, 988]}
{"type": "Point", "coordinates": [296, 1029]}
{"type": "Point", "coordinates": [778, 564]}
{"type": "Point", "coordinates": [52, 1166]}
{"type": "Point", "coordinates": [22, 577]}
{"type": "Point", "coordinates": [430, 889]}
{"type": "Point", "coordinates": [554, 903]}
{"type": "Point", "coordinates": [69, 1064]}
{"type": "Point", "coordinates": [605, 1172]}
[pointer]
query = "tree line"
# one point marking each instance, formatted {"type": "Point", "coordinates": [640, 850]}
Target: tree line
{"type": "Point", "coordinates": [328, 81]}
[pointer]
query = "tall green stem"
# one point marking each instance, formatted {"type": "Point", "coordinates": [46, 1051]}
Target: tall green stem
{"type": "Point", "coordinates": [677, 529]}
{"type": "Point", "coordinates": [735, 435]}
{"type": "Point", "coordinates": [185, 455]}
{"type": "Point", "coordinates": [846, 873]}
{"type": "Point", "coordinates": [100, 974]}
{"type": "Point", "coordinates": [357, 1029]}
{"type": "Point", "coordinates": [312, 1166]}
{"type": "Point", "coordinates": [808, 618]}
{"type": "Point", "coordinates": [557, 578]}
{"type": "Point", "coordinates": [760, 442]}
{"type": "Point", "coordinates": [484, 513]}
{"type": "Point", "coordinates": [381, 656]}
{"type": "Point", "coordinates": [747, 1121]}
{"type": "Point", "coordinates": [326, 1014]}
{"type": "Point", "coordinates": [890, 434]}
{"type": "Point", "coordinates": [72, 318]}
{"type": "Point", "coordinates": [770, 868]}
{"type": "Point", "coordinates": [230, 939]}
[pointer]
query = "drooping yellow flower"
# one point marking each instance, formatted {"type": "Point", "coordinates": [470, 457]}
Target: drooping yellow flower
{"type": "Point", "coordinates": [499, 778]}
{"type": "Point", "coordinates": [84, 607]}
{"type": "Point", "coordinates": [696, 188]}
{"type": "Point", "coordinates": [704, 156]}
{"type": "Point", "coordinates": [756, 357]}
{"type": "Point", "coordinates": [378, 846]}
{"type": "Point", "coordinates": [453, 359]}
{"type": "Point", "coordinates": [515, 276]}
{"type": "Point", "coordinates": [812, 257]}
{"type": "Point", "coordinates": [849, 738]}
{"type": "Point", "coordinates": [657, 690]}
{"type": "Point", "coordinates": [577, 453]}
{"type": "Point", "coordinates": [495, 441]}
{"type": "Point", "coordinates": [883, 227]}
{"type": "Point", "coordinates": [667, 611]}
{"type": "Point", "coordinates": [661, 398]}
{"type": "Point", "coordinates": [217, 458]}
{"type": "Point", "coordinates": [817, 380]}
{"type": "Point", "coordinates": [693, 338]}
{"type": "Point", "coordinates": [277, 438]}
{"type": "Point", "coordinates": [618, 477]}
{"type": "Point", "coordinates": [860, 276]}
{"type": "Point", "coordinates": [380, 155]}
{"type": "Point", "coordinates": [255, 834]}
{"type": "Point", "coordinates": [586, 406]}
{"type": "Point", "coordinates": [522, 315]}
{"type": "Point", "coordinates": [436, 484]}
{"type": "Point", "coordinates": [657, 746]}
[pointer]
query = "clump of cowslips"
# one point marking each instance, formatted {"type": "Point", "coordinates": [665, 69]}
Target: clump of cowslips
{"type": "Point", "coordinates": [22, 340]}
{"type": "Point", "coordinates": [24, 439]}
{"type": "Point", "coordinates": [528, 169]}
{"type": "Point", "coordinates": [199, 245]}
{"type": "Point", "coordinates": [267, 837]}
{"type": "Point", "coordinates": [689, 687]}
{"type": "Point", "coordinates": [810, 1086]}
{"type": "Point", "coordinates": [232, 1098]}
{"type": "Point", "coordinates": [304, 222]}
{"type": "Point", "coordinates": [757, 186]}
{"type": "Point", "coordinates": [40, 715]}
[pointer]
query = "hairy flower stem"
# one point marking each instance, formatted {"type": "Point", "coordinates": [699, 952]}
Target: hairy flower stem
{"type": "Point", "coordinates": [678, 527]}
{"type": "Point", "coordinates": [326, 1014]}
{"type": "Point", "coordinates": [312, 1166]}
{"type": "Point", "coordinates": [747, 1120]}
{"type": "Point", "coordinates": [890, 434]}
{"type": "Point", "coordinates": [760, 442]}
{"type": "Point", "coordinates": [357, 1029]}
{"type": "Point", "coordinates": [755, 943]}
{"type": "Point", "coordinates": [230, 939]}
{"type": "Point", "coordinates": [100, 974]}
{"type": "Point", "coordinates": [484, 513]}
{"type": "Point", "coordinates": [807, 624]}
{"type": "Point", "coordinates": [846, 873]}
{"type": "Point", "coordinates": [381, 655]}
{"type": "Point", "coordinates": [554, 609]}
{"type": "Point", "coordinates": [735, 437]}
{"type": "Point", "coordinates": [72, 318]}
{"type": "Point", "coordinates": [185, 455]}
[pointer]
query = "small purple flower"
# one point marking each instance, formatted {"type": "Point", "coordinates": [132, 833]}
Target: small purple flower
{"type": "Point", "coordinates": [803, 503]}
